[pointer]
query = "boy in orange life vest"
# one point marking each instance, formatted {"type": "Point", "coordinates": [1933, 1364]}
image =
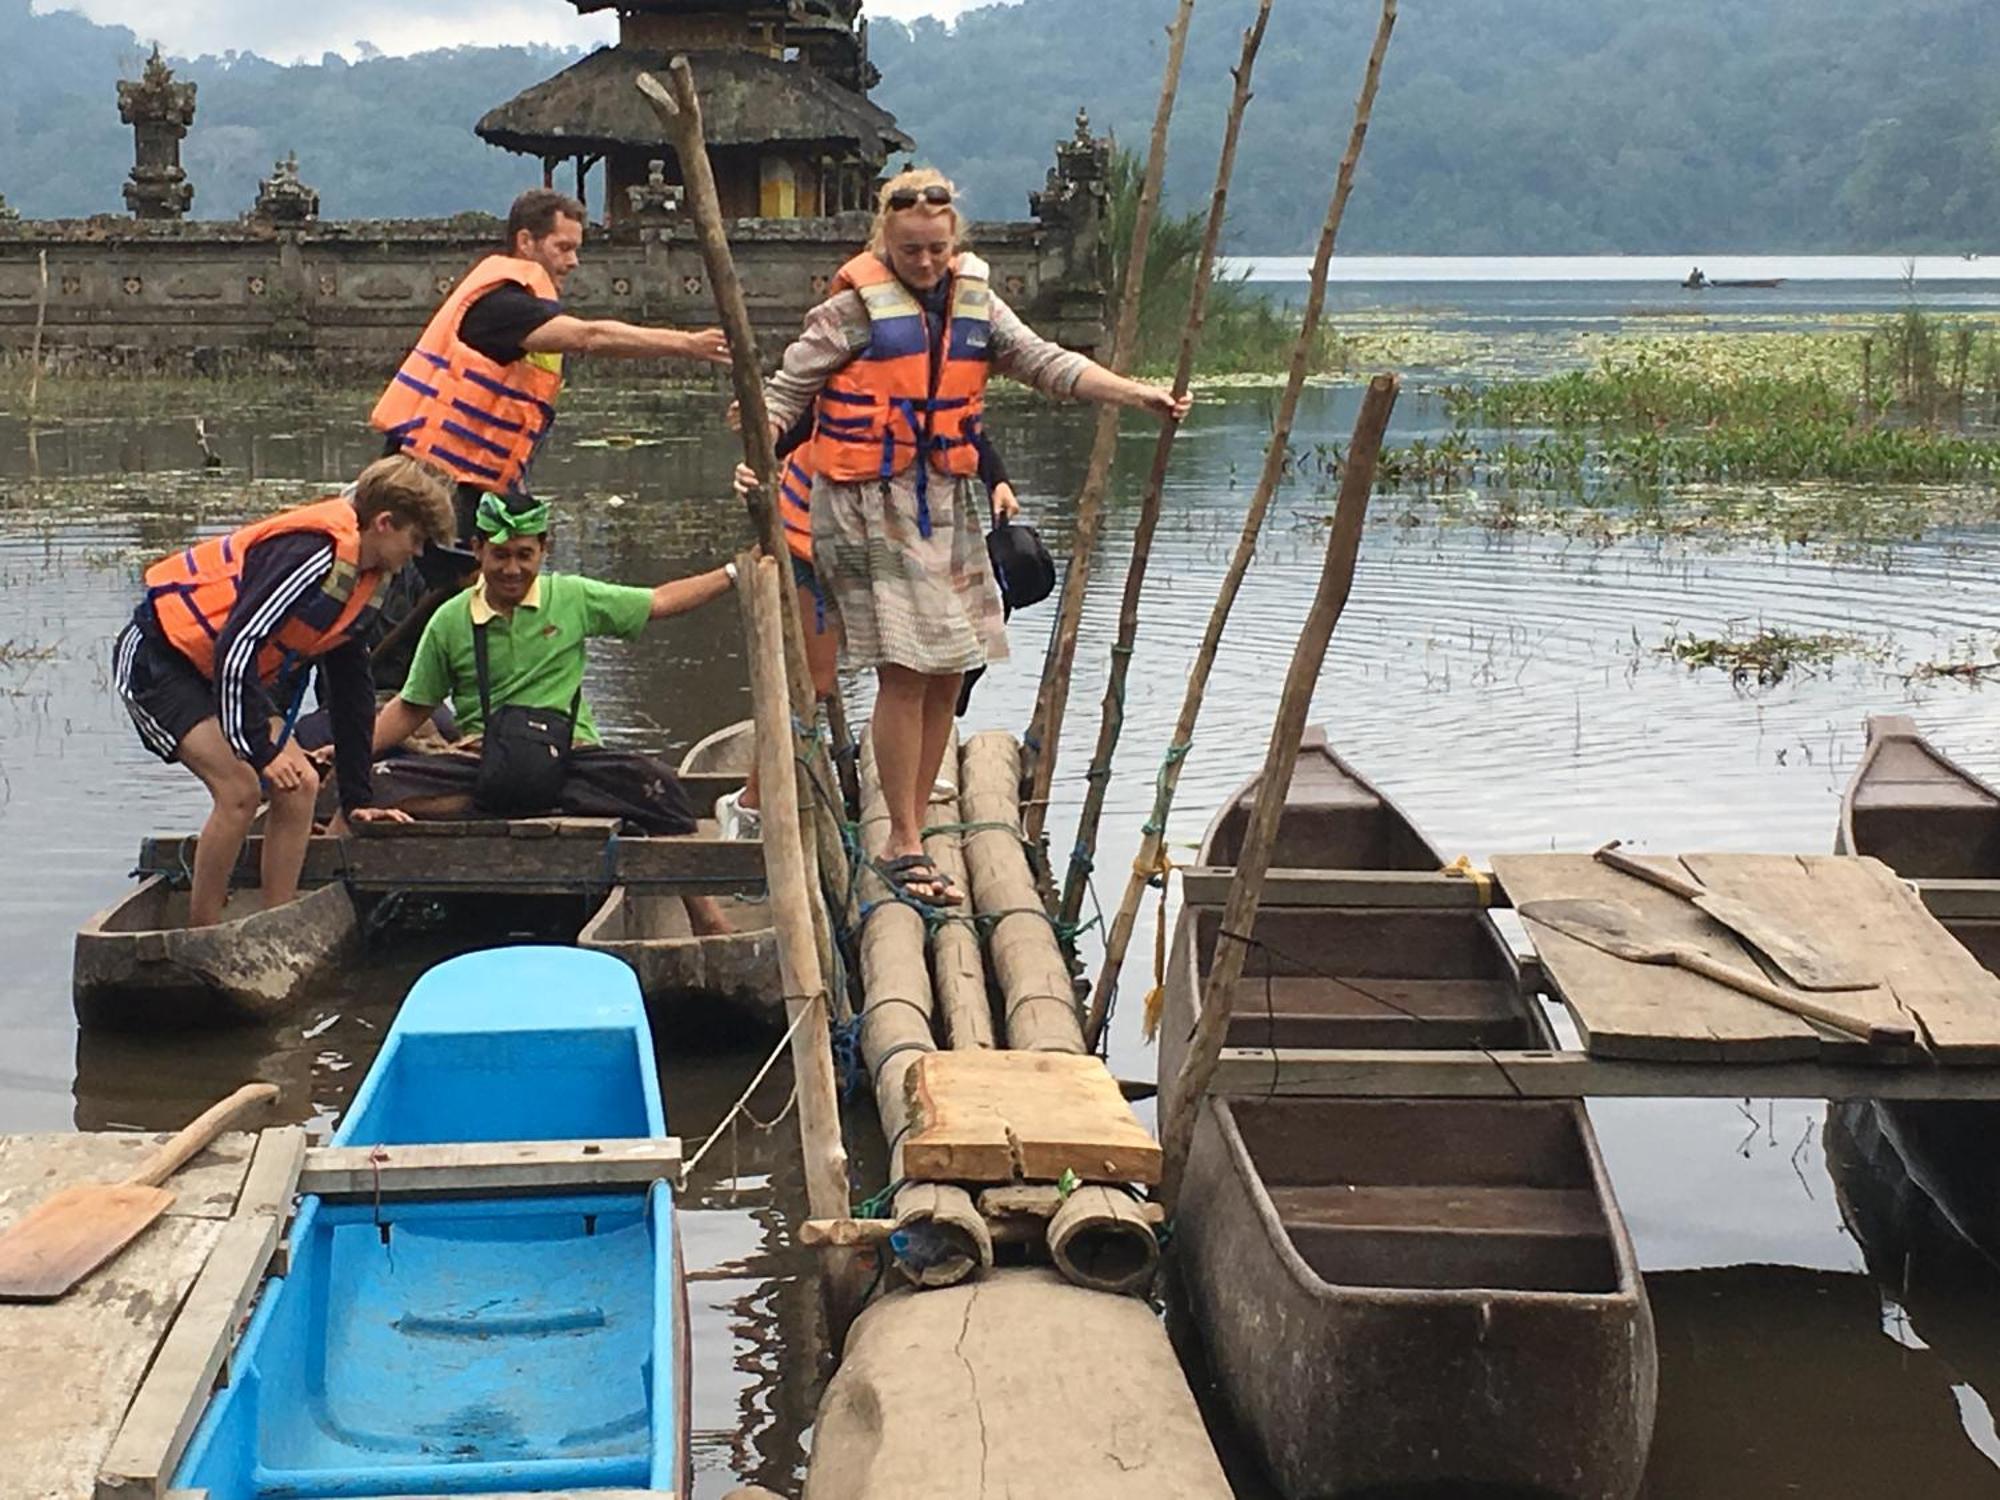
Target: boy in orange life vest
{"type": "Point", "coordinates": [224, 639]}
{"type": "Point", "coordinates": [477, 395]}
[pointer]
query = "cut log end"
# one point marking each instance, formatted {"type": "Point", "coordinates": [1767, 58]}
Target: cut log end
{"type": "Point", "coordinates": [1102, 1240]}
{"type": "Point", "coordinates": [940, 1238]}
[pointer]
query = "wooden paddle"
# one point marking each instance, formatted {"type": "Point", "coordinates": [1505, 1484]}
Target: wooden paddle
{"type": "Point", "coordinates": [66, 1237]}
{"type": "Point", "coordinates": [1615, 928]}
{"type": "Point", "coordinates": [1803, 966]}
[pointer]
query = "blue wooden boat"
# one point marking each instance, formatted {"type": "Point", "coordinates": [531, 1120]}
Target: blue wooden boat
{"type": "Point", "coordinates": [453, 1345]}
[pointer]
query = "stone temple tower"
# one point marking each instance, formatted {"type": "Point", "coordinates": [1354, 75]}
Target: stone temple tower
{"type": "Point", "coordinates": [159, 111]}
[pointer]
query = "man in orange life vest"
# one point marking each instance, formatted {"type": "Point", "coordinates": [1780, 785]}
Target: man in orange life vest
{"type": "Point", "coordinates": [229, 630]}
{"type": "Point", "coordinates": [477, 395]}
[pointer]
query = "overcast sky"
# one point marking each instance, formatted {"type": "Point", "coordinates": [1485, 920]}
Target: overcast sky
{"type": "Point", "coordinates": [285, 32]}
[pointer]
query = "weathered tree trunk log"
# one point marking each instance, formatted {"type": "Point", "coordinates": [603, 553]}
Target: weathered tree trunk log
{"type": "Point", "coordinates": [1239, 913]}
{"type": "Point", "coordinates": [792, 899]}
{"type": "Point", "coordinates": [1045, 729]}
{"type": "Point", "coordinates": [1101, 1239]}
{"type": "Point", "coordinates": [956, 965]}
{"type": "Point", "coordinates": [1038, 999]}
{"type": "Point", "coordinates": [1017, 1384]}
{"type": "Point", "coordinates": [1111, 722]}
{"type": "Point", "coordinates": [1148, 862]}
{"type": "Point", "coordinates": [942, 1239]}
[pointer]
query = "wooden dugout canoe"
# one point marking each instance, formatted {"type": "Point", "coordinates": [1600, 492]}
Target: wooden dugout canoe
{"type": "Point", "coordinates": [455, 1344]}
{"type": "Point", "coordinates": [650, 930]}
{"type": "Point", "coordinates": [1927, 818]}
{"type": "Point", "coordinates": [1400, 1295]}
{"type": "Point", "coordinates": [139, 965]}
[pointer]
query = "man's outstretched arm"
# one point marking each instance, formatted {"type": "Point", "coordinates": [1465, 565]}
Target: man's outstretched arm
{"type": "Point", "coordinates": [564, 334]}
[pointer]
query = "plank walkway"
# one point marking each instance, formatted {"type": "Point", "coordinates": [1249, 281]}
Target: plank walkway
{"type": "Point", "coordinates": [69, 1369]}
{"type": "Point", "coordinates": [1851, 909]}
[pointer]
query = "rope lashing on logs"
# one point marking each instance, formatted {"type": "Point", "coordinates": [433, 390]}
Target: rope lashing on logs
{"type": "Point", "coordinates": [1156, 825]}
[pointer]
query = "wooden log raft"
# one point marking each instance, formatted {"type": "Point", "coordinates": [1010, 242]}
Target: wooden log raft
{"type": "Point", "coordinates": [1038, 1008]}
{"type": "Point", "coordinates": [944, 1239]}
{"type": "Point", "coordinates": [1098, 1243]}
{"type": "Point", "coordinates": [1015, 1384]}
{"type": "Point", "coordinates": [956, 965]}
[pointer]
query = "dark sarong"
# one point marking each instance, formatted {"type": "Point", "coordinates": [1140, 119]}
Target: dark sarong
{"type": "Point", "coordinates": [640, 790]}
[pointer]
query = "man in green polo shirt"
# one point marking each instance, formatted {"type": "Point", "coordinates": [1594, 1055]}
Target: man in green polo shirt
{"type": "Point", "coordinates": [535, 625]}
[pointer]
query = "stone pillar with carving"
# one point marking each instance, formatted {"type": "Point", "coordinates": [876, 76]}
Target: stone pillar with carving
{"type": "Point", "coordinates": [159, 110]}
{"type": "Point", "coordinates": [1073, 272]}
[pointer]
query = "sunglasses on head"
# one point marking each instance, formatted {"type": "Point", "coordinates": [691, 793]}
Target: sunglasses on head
{"type": "Point", "coordinates": [937, 193]}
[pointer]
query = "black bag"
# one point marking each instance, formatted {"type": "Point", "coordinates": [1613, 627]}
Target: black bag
{"type": "Point", "coordinates": [1021, 565]}
{"type": "Point", "coordinates": [524, 755]}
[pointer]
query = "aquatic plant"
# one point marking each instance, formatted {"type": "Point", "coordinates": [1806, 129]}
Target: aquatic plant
{"type": "Point", "coordinates": [1767, 655]}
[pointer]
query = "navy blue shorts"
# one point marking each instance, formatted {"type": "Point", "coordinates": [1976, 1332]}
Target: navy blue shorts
{"type": "Point", "coordinates": [161, 689]}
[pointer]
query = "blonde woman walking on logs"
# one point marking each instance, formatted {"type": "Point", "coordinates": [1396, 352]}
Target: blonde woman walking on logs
{"type": "Point", "coordinates": [897, 359]}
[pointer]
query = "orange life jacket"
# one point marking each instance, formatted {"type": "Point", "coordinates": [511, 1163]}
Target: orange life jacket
{"type": "Point", "coordinates": [193, 590]}
{"type": "Point", "coordinates": [795, 488]}
{"type": "Point", "coordinates": [452, 406]}
{"type": "Point", "coordinates": [881, 412]}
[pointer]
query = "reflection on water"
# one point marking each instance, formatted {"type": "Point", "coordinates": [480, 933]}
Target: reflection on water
{"type": "Point", "coordinates": [1503, 688]}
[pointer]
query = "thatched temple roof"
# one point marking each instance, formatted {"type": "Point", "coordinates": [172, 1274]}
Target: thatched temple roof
{"type": "Point", "coordinates": [747, 99]}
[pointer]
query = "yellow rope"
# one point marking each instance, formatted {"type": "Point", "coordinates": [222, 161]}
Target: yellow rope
{"type": "Point", "coordinates": [1482, 882]}
{"type": "Point", "coordinates": [1156, 997]}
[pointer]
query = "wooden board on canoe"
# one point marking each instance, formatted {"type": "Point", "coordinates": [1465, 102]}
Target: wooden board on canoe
{"type": "Point", "coordinates": [998, 1116]}
{"type": "Point", "coordinates": [1854, 909]}
{"type": "Point", "coordinates": [526, 855]}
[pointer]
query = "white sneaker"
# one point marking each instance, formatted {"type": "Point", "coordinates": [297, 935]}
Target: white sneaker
{"type": "Point", "coordinates": [738, 821]}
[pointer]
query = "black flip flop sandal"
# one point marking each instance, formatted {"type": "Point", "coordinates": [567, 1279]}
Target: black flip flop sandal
{"type": "Point", "coordinates": [920, 870]}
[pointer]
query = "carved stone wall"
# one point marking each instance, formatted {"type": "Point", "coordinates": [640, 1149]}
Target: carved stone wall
{"type": "Point", "coordinates": [339, 295]}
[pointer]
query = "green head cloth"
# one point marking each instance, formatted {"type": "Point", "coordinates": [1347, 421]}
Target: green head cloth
{"type": "Point", "coordinates": [501, 518]}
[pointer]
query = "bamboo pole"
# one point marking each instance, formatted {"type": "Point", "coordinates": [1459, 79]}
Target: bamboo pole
{"type": "Point", "coordinates": [944, 1238]}
{"type": "Point", "coordinates": [791, 914]}
{"type": "Point", "coordinates": [1239, 913]}
{"type": "Point", "coordinates": [1045, 728]}
{"type": "Point", "coordinates": [35, 350]}
{"type": "Point", "coordinates": [1111, 722]}
{"type": "Point", "coordinates": [959, 971]}
{"type": "Point", "coordinates": [1037, 994]}
{"type": "Point", "coordinates": [680, 113]}
{"type": "Point", "coordinates": [1149, 865]}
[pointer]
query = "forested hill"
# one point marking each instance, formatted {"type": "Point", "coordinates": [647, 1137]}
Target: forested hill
{"type": "Point", "coordinates": [1504, 125]}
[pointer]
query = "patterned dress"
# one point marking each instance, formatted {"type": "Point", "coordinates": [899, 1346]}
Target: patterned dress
{"type": "Point", "coordinates": [894, 596]}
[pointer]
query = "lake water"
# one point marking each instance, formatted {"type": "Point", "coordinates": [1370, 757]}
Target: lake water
{"type": "Point", "coordinates": [1505, 688]}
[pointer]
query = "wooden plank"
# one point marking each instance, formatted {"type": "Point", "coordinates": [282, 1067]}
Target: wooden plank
{"type": "Point", "coordinates": [1864, 911]}
{"type": "Point", "coordinates": [273, 1179]}
{"type": "Point", "coordinates": [529, 856]}
{"type": "Point", "coordinates": [163, 1415]}
{"type": "Point", "coordinates": [488, 1167]}
{"type": "Point", "coordinates": [487, 1495]}
{"type": "Point", "coordinates": [998, 1116]}
{"type": "Point", "coordinates": [1649, 1011]}
{"type": "Point", "coordinates": [1973, 900]}
{"type": "Point", "coordinates": [1435, 1074]}
{"type": "Point", "coordinates": [33, 1166]}
{"type": "Point", "coordinates": [1208, 885]}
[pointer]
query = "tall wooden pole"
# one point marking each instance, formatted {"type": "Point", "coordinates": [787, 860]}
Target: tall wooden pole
{"type": "Point", "coordinates": [792, 900]}
{"type": "Point", "coordinates": [1045, 729]}
{"type": "Point", "coordinates": [35, 352]}
{"type": "Point", "coordinates": [1111, 723]}
{"type": "Point", "coordinates": [1239, 914]}
{"type": "Point", "coordinates": [1147, 866]}
{"type": "Point", "coordinates": [680, 112]}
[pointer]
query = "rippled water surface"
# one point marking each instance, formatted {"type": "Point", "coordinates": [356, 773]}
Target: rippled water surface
{"type": "Point", "coordinates": [1504, 687]}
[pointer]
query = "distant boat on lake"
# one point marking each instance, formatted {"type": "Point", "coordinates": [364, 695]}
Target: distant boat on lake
{"type": "Point", "coordinates": [1697, 282]}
